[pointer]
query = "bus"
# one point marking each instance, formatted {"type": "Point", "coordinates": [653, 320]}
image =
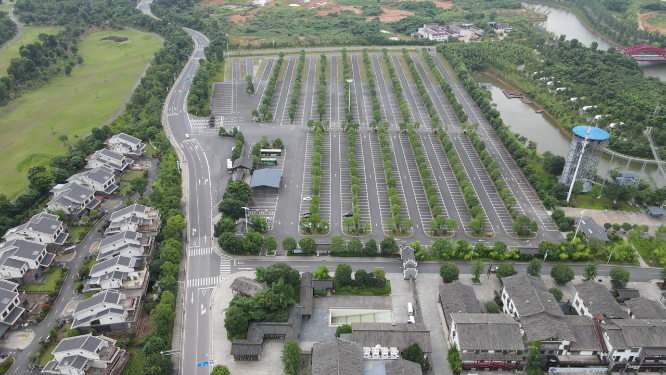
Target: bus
{"type": "Point", "coordinates": [268, 161]}
{"type": "Point", "coordinates": [270, 152]}
{"type": "Point", "coordinates": [230, 166]}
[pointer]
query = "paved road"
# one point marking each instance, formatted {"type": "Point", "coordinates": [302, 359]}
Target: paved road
{"type": "Point", "coordinates": [20, 29]}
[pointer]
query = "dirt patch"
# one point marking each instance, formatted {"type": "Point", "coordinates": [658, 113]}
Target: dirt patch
{"type": "Point", "coordinates": [392, 15]}
{"type": "Point", "coordinates": [330, 7]}
{"type": "Point", "coordinates": [644, 21]}
{"type": "Point", "coordinates": [237, 18]}
{"type": "Point", "coordinates": [144, 326]}
{"type": "Point", "coordinates": [36, 301]}
{"type": "Point", "coordinates": [116, 38]}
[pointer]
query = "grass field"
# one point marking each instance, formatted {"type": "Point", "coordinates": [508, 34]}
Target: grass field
{"type": "Point", "coordinates": [658, 20]}
{"type": "Point", "coordinates": [71, 106]}
{"type": "Point", "coordinates": [6, 7]}
{"type": "Point", "coordinates": [49, 283]}
{"type": "Point", "coordinates": [29, 36]}
{"type": "Point", "coordinates": [47, 355]}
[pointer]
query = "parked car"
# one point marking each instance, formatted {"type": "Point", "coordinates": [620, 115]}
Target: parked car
{"type": "Point", "coordinates": [348, 214]}
{"type": "Point", "coordinates": [494, 269]}
{"type": "Point", "coordinates": [305, 215]}
{"type": "Point", "coordinates": [307, 198]}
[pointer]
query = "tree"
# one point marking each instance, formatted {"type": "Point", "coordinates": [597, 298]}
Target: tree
{"type": "Point", "coordinates": [220, 370]}
{"type": "Point", "coordinates": [536, 360]}
{"type": "Point", "coordinates": [156, 364]}
{"type": "Point", "coordinates": [238, 190]}
{"type": "Point", "coordinates": [42, 182]}
{"type": "Point", "coordinates": [291, 358]}
{"type": "Point", "coordinates": [619, 276]}
{"type": "Point", "coordinates": [343, 329]}
{"type": "Point", "coordinates": [562, 274]}
{"type": "Point", "coordinates": [626, 227]}
{"type": "Point", "coordinates": [554, 164]}
{"type": "Point", "coordinates": [307, 244]}
{"type": "Point", "coordinates": [321, 273]}
{"type": "Point", "coordinates": [228, 242]}
{"type": "Point", "coordinates": [259, 223]}
{"type": "Point", "coordinates": [68, 71]}
{"type": "Point", "coordinates": [590, 271]}
{"type": "Point", "coordinates": [232, 208]}
{"type": "Point", "coordinates": [270, 244]}
{"type": "Point", "coordinates": [449, 272]}
{"type": "Point", "coordinates": [355, 245]}
{"type": "Point", "coordinates": [505, 270]}
{"type": "Point", "coordinates": [607, 226]}
{"type": "Point", "coordinates": [289, 244]}
{"type": "Point", "coordinates": [388, 246]}
{"type": "Point", "coordinates": [252, 242]}
{"type": "Point", "coordinates": [235, 320]}
{"type": "Point", "coordinates": [139, 185]}
{"type": "Point", "coordinates": [222, 226]}
{"type": "Point", "coordinates": [491, 307]}
{"type": "Point", "coordinates": [154, 344]}
{"type": "Point", "coordinates": [63, 138]}
{"type": "Point", "coordinates": [379, 274]}
{"type": "Point", "coordinates": [556, 293]}
{"type": "Point", "coordinates": [343, 274]}
{"type": "Point", "coordinates": [477, 268]}
{"type": "Point", "coordinates": [370, 247]}
{"type": "Point", "coordinates": [338, 245]}
{"type": "Point", "coordinates": [415, 354]}
{"type": "Point", "coordinates": [361, 278]}
{"type": "Point", "coordinates": [534, 268]}
{"type": "Point", "coordinates": [663, 275]}
{"type": "Point", "coordinates": [453, 358]}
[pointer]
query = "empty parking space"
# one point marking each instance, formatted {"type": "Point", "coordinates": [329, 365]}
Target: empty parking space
{"type": "Point", "coordinates": [282, 96]}
{"type": "Point", "coordinates": [387, 101]}
{"type": "Point", "coordinates": [361, 102]}
{"type": "Point", "coordinates": [411, 94]}
{"type": "Point", "coordinates": [441, 104]}
{"type": "Point", "coordinates": [447, 182]}
{"type": "Point", "coordinates": [345, 183]}
{"type": "Point", "coordinates": [264, 200]}
{"type": "Point", "coordinates": [325, 187]}
{"type": "Point", "coordinates": [380, 180]}
{"type": "Point", "coordinates": [307, 104]}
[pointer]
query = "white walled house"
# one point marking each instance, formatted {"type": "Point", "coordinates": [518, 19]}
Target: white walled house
{"type": "Point", "coordinates": [12, 305]}
{"type": "Point", "coordinates": [635, 344]}
{"type": "Point", "coordinates": [433, 31]}
{"type": "Point", "coordinates": [524, 295]}
{"type": "Point", "coordinates": [23, 262]}
{"type": "Point", "coordinates": [101, 179]}
{"type": "Point", "coordinates": [107, 158]}
{"type": "Point", "coordinates": [106, 311]}
{"type": "Point", "coordinates": [117, 273]}
{"type": "Point", "coordinates": [84, 354]}
{"type": "Point", "coordinates": [136, 218]}
{"type": "Point", "coordinates": [74, 199]}
{"type": "Point", "coordinates": [126, 145]}
{"type": "Point", "coordinates": [593, 299]}
{"type": "Point", "coordinates": [42, 228]}
{"type": "Point", "coordinates": [128, 244]}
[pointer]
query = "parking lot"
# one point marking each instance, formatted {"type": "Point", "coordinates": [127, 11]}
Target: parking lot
{"type": "Point", "coordinates": [345, 184]}
{"type": "Point", "coordinates": [325, 188]}
{"type": "Point", "coordinates": [264, 199]}
{"type": "Point", "coordinates": [388, 104]}
{"type": "Point", "coordinates": [362, 111]}
{"type": "Point", "coordinates": [416, 107]}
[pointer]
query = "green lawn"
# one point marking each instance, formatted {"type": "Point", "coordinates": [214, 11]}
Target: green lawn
{"type": "Point", "coordinates": [136, 362]}
{"type": "Point", "coordinates": [6, 7]}
{"type": "Point", "coordinates": [72, 105]}
{"type": "Point", "coordinates": [367, 291]}
{"type": "Point", "coordinates": [658, 21]}
{"type": "Point", "coordinates": [29, 36]}
{"type": "Point", "coordinates": [149, 150]}
{"type": "Point", "coordinates": [48, 285]}
{"type": "Point", "coordinates": [47, 355]}
{"type": "Point", "coordinates": [75, 232]}
{"type": "Point", "coordinates": [129, 176]}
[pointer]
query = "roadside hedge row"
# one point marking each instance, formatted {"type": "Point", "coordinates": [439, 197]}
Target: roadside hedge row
{"type": "Point", "coordinates": [397, 88]}
{"type": "Point", "coordinates": [321, 95]}
{"type": "Point", "coordinates": [296, 94]}
{"type": "Point", "coordinates": [355, 188]}
{"type": "Point", "coordinates": [270, 91]}
{"type": "Point", "coordinates": [376, 114]}
{"type": "Point", "coordinates": [478, 222]}
{"type": "Point", "coordinates": [345, 76]}
{"type": "Point", "coordinates": [446, 88]}
{"type": "Point", "coordinates": [198, 98]}
{"type": "Point", "coordinates": [427, 101]}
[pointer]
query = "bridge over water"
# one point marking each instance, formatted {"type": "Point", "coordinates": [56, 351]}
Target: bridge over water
{"type": "Point", "coordinates": [645, 52]}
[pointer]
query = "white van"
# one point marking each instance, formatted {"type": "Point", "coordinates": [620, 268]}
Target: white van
{"type": "Point", "coordinates": [410, 319]}
{"type": "Point", "coordinates": [187, 136]}
{"type": "Point", "coordinates": [410, 309]}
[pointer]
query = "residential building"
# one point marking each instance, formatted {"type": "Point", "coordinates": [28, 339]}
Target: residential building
{"type": "Point", "coordinates": [407, 256]}
{"type": "Point", "coordinates": [456, 297]}
{"type": "Point", "coordinates": [249, 349]}
{"type": "Point", "coordinates": [135, 218]}
{"type": "Point", "coordinates": [643, 308]}
{"type": "Point", "coordinates": [12, 305]}
{"type": "Point", "coordinates": [525, 295]}
{"type": "Point", "coordinates": [477, 31]}
{"type": "Point", "coordinates": [590, 229]}
{"type": "Point", "coordinates": [100, 179]}
{"type": "Point", "coordinates": [106, 311]}
{"type": "Point", "coordinates": [635, 344]}
{"type": "Point", "coordinates": [625, 294]}
{"type": "Point", "coordinates": [339, 356]}
{"type": "Point", "coordinates": [126, 145]}
{"type": "Point", "coordinates": [86, 354]}
{"type": "Point", "coordinates": [23, 262]}
{"type": "Point", "coordinates": [247, 287]}
{"type": "Point", "coordinates": [433, 31]}
{"type": "Point", "coordinates": [593, 299]}
{"type": "Point", "coordinates": [499, 25]}
{"type": "Point", "coordinates": [107, 158]}
{"type": "Point", "coordinates": [488, 341]}
{"type": "Point", "coordinates": [42, 228]}
{"type": "Point", "coordinates": [117, 273]}
{"type": "Point", "coordinates": [128, 244]}
{"type": "Point", "coordinates": [392, 335]}
{"type": "Point", "coordinates": [74, 199]}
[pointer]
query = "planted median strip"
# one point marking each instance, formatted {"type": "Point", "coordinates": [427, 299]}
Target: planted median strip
{"type": "Point", "coordinates": [397, 88]}
{"type": "Point", "coordinates": [427, 101]}
{"type": "Point", "coordinates": [321, 101]}
{"type": "Point", "coordinates": [263, 112]}
{"type": "Point", "coordinates": [446, 88]}
{"type": "Point", "coordinates": [312, 224]}
{"type": "Point", "coordinates": [376, 114]}
{"type": "Point", "coordinates": [345, 76]}
{"type": "Point", "coordinates": [355, 220]}
{"type": "Point", "coordinates": [295, 95]}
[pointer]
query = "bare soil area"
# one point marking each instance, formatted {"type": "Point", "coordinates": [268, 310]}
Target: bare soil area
{"type": "Point", "coordinates": [392, 15]}
{"type": "Point", "coordinates": [644, 21]}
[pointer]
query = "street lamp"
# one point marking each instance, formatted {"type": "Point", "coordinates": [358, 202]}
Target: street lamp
{"type": "Point", "coordinates": [610, 256]}
{"type": "Point", "coordinates": [246, 209]}
{"type": "Point", "coordinates": [350, 82]}
{"type": "Point", "coordinates": [578, 226]}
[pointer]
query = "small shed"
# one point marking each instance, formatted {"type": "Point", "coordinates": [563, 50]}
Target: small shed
{"type": "Point", "coordinates": [627, 294]}
{"type": "Point", "coordinates": [486, 86]}
{"type": "Point", "coordinates": [591, 229]}
{"type": "Point", "coordinates": [655, 211]}
{"type": "Point", "coordinates": [244, 162]}
{"type": "Point", "coordinates": [247, 287]}
{"type": "Point", "coordinates": [266, 178]}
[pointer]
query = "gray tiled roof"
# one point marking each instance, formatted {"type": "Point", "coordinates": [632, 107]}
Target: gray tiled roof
{"type": "Point", "coordinates": [100, 175]}
{"type": "Point", "coordinates": [99, 298]}
{"type": "Point", "coordinates": [117, 250]}
{"type": "Point", "coordinates": [457, 297]}
{"type": "Point", "coordinates": [591, 229]}
{"type": "Point", "coordinates": [23, 249]}
{"type": "Point", "coordinates": [247, 286]}
{"type": "Point", "coordinates": [47, 260]}
{"type": "Point", "coordinates": [643, 308]}
{"type": "Point", "coordinates": [76, 193]}
{"type": "Point", "coordinates": [6, 297]}
{"type": "Point", "coordinates": [530, 295]}
{"type": "Point", "coordinates": [322, 284]}
{"type": "Point", "coordinates": [599, 300]}
{"type": "Point", "coordinates": [13, 316]}
{"type": "Point", "coordinates": [545, 325]}
{"type": "Point", "coordinates": [336, 357]}
{"type": "Point", "coordinates": [307, 294]}
{"type": "Point", "coordinates": [127, 138]}
{"type": "Point", "coordinates": [12, 262]}
{"type": "Point", "coordinates": [113, 262]}
{"type": "Point", "coordinates": [128, 209]}
{"type": "Point", "coordinates": [583, 330]}
{"type": "Point", "coordinates": [642, 333]}
{"type": "Point", "coordinates": [42, 223]}
{"type": "Point", "coordinates": [8, 285]}
{"type": "Point", "coordinates": [398, 335]}
{"type": "Point", "coordinates": [125, 235]}
{"type": "Point", "coordinates": [628, 293]}
{"type": "Point", "coordinates": [401, 367]}
{"type": "Point", "coordinates": [88, 343]}
{"type": "Point", "coordinates": [111, 155]}
{"type": "Point", "coordinates": [487, 332]}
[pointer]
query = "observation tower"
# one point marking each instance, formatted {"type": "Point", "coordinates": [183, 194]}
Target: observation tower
{"type": "Point", "coordinates": [583, 158]}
